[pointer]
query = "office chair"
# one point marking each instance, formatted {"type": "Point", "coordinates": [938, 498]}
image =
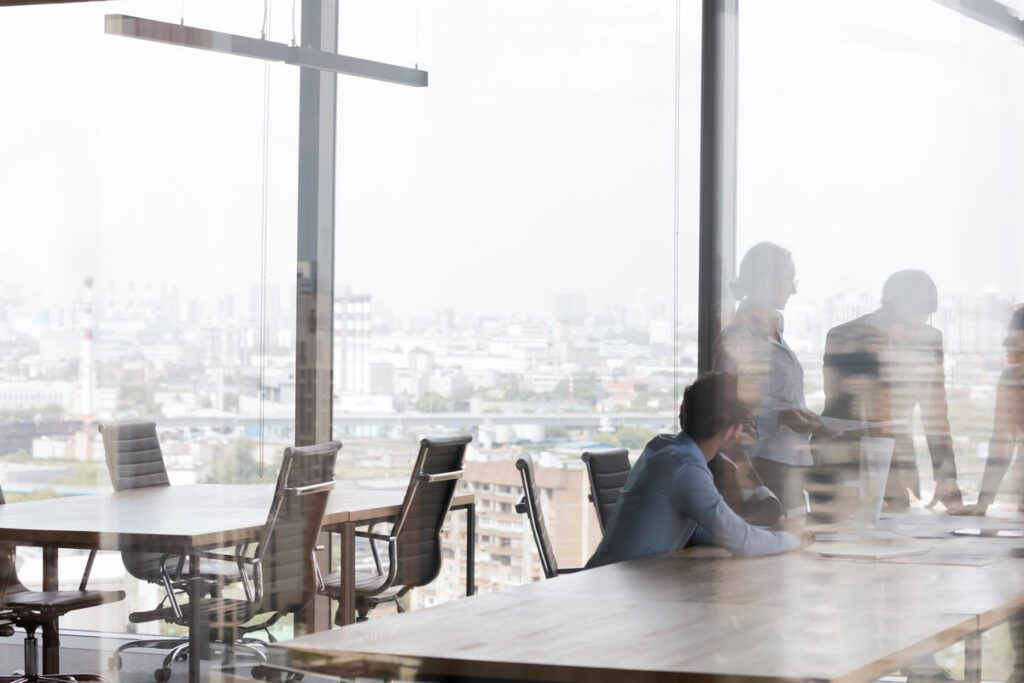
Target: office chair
{"type": "Point", "coordinates": [277, 577]}
{"type": "Point", "coordinates": [414, 542]}
{"type": "Point", "coordinates": [529, 505]}
{"type": "Point", "coordinates": [32, 610]}
{"type": "Point", "coordinates": [607, 471]}
{"type": "Point", "coordinates": [134, 461]}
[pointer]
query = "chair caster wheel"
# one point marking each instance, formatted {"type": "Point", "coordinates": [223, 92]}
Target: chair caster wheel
{"type": "Point", "coordinates": [163, 674]}
{"type": "Point", "coordinates": [114, 663]}
{"type": "Point", "coordinates": [260, 673]}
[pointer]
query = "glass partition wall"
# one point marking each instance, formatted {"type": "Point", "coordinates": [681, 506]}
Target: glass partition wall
{"type": "Point", "coordinates": [505, 254]}
{"type": "Point", "coordinates": [511, 252]}
{"type": "Point", "coordinates": [514, 256]}
{"type": "Point", "coordinates": [147, 203]}
{"type": "Point", "coordinates": [880, 144]}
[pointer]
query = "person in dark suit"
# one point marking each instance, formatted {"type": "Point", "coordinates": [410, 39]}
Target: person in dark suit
{"type": "Point", "coordinates": [879, 368]}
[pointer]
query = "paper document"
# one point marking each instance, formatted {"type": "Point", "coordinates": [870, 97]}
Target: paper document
{"type": "Point", "coordinates": [866, 551]}
{"type": "Point", "coordinates": [840, 425]}
{"type": "Point", "coordinates": [990, 533]}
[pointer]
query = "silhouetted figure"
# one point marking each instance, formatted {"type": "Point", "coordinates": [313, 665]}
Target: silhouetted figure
{"type": "Point", "coordinates": [1008, 424]}
{"type": "Point", "coordinates": [753, 347]}
{"type": "Point", "coordinates": [878, 369]}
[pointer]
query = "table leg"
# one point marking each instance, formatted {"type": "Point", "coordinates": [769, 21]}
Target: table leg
{"type": "Point", "coordinates": [972, 658]}
{"type": "Point", "coordinates": [330, 568]}
{"type": "Point", "coordinates": [347, 608]}
{"type": "Point", "coordinates": [51, 644]}
{"type": "Point", "coordinates": [198, 629]}
{"type": "Point", "coordinates": [471, 549]}
{"type": "Point", "coordinates": [50, 559]}
{"type": "Point", "coordinates": [51, 649]}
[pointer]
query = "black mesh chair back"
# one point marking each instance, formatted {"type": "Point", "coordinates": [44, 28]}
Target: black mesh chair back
{"type": "Point", "coordinates": [134, 461]}
{"type": "Point", "coordinates": [285, 549]}
{"type": "Point", "coordinates": [530, 506]}
{"type": "Point", "coordinates": [134, 458]}
{"type": "Point", "coordinates": [9, 582]}
{"type": "Point", "coordinates": [607, 471]}
{"type": "Point", "coordinates": [431, 489]}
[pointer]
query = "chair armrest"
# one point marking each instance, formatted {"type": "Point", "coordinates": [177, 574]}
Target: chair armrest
{"type": "Point", "coordinates": [317, 574]}
{"type": "Point", "coordinates": [376, 537]}
{"type": "Point", "coordinates": [212, 555]}
{"type": "Point", "coordinates": [440, 476]}
{"type": "Point", "coordinates": [88, 570]}
{"type": "Point", "coordinates": [373, 538]}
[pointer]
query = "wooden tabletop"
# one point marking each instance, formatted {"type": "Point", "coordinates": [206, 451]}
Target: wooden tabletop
{"type": "Point", "coordinates": [698, 614]}
{"type": "Point", "coordinates": [174, 518]}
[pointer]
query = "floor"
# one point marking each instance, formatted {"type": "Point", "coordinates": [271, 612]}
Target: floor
{"type": "Point", "coordinates": [91, 653]}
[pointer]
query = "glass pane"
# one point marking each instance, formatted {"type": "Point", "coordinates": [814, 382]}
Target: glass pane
{"type": "Point", "coordinates": [149, 268]}
{"type": "Point", "coordinates": [504, 262]}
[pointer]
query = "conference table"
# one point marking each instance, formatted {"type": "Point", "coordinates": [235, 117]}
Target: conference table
{"type": "Point", "coordinates": [193, 518]}
{"type": "Point", "coordinates": [702, 614]}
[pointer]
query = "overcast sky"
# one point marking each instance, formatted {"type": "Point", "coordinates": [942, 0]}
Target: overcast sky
{"type": "Point", "coordinates": [874, 135]}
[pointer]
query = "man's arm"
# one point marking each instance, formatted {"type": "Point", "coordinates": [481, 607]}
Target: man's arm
{"type": "Point", "coordinates": [1004, 435]}
{"type": "Point", "coordinates": [935, 416]}
{"type": "Point", "coordinates": [694, 496]}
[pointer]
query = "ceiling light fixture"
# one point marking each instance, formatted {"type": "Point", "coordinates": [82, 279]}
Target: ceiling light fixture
{"type": "Point", "coordinates": [229, 43]}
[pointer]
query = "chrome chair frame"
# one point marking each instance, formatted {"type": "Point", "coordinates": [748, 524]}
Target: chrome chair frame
{"type": "Point", "coordinates": [530, 506]}
{"type": "Point", "coordinates": [173, 581]}
{"type": "Point", "coordinates": [394, 536]}
{"type": "Point", "coordinates": [250, 567]}
{"type": "Point", "coordinates": [32, 610]}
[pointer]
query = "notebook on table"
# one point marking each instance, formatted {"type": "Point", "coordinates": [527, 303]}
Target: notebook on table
{"type": "Point", "coordinates": [866, 551]}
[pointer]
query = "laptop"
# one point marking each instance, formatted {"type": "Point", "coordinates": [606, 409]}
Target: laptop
{"type": "Point", "coordinates": [855, 534]}
{"type": "Point", "coordinates": [855, 503]}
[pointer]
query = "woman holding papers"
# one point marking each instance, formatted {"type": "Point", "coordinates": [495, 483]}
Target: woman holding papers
{"type": "Point", "coordinates": [753, 347]}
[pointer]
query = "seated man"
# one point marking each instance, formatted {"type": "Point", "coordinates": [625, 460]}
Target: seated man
{"type": "Point", "coordinates": [670, 499]}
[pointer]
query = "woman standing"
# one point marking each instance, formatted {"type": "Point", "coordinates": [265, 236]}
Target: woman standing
{"type": "Point", "coordinates": [753, 347]}
{"type": "Point", "coordinates": [1007, 433]}
{"type": "Point", "coordinates": [1008, 425]}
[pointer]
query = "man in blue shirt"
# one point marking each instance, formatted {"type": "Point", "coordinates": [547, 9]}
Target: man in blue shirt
{"type": "Point", "coordinates": [670, 499]}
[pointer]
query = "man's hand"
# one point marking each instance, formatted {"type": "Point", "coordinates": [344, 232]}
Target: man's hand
{"type": "Point", "coordinates": [806, 540]}
{"type": "Point", "coordinates": [948, 493]}
{"type": "Point", "coordinates": [976, 510]}
{"type": "Point", "coordinates": [794, 525]}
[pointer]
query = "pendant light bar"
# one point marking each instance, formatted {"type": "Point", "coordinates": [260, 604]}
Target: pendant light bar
{"type": "Point", "coordinates": [244, 46]}
{"type": "Point", "coordinates": [994, 14]}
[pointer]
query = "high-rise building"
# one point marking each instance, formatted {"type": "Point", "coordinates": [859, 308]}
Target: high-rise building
{"type": "Point", "coordinates": [352, 332]}
{"type": "Point", "coordinates": [86, 360]}
{"type": "Point", "coordinates": [505, 551]}
{"type": "Point", "coordinates": [974, 323]}
{"type": "Point", "coordinates": [569, 307]}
